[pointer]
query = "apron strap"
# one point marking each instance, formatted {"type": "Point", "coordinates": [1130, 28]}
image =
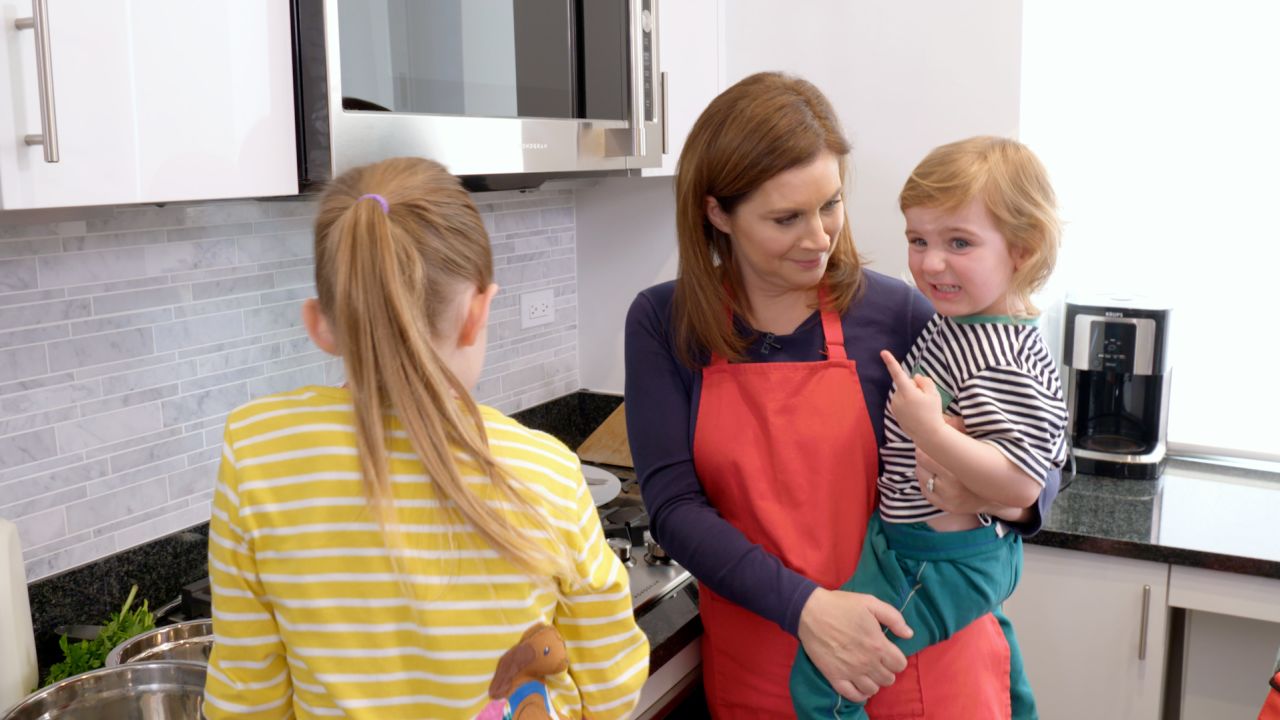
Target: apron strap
{"type": "Point", "coordinates": [832, 331]}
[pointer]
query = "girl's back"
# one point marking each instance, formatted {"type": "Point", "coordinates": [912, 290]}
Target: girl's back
{"type": "Point", "coordinates": [299, 561]}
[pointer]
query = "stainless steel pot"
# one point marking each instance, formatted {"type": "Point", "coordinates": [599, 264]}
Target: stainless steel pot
{"type": "Point", "coordinates": [191, 640]}
{"type": "Point", "coordinates": [169, 690]}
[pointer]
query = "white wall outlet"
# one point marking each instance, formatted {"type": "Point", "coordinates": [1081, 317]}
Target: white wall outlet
{"type": "Point", "coordinates": [537, 308]}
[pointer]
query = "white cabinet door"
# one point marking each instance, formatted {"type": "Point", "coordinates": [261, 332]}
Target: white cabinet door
{"type": "Point", "coordinates": [156, 101]}
{"type": "Point", "coordinates": [1079, 618]}
{"type": "Point", "coordinates": [689, 54]}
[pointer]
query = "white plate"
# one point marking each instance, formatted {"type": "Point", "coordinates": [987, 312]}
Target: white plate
{"type": "Point", "coordinates": [604, 485]}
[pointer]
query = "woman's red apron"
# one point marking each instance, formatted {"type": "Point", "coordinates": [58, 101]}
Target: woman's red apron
{"type": "Point", "coordinates": [787, 454]}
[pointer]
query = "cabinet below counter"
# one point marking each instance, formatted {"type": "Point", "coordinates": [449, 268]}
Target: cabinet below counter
{"type": "Point", "coordinates": [1153, 599]}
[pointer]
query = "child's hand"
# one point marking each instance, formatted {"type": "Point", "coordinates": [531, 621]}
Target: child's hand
{"type": "Point", "coordinates": [916, 404]}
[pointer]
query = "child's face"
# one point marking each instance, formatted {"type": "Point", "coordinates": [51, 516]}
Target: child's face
{"type": "Point", "coordinates": [959, 260]}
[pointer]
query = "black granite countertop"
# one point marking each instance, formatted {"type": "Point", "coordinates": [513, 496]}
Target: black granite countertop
{"type": "Point", "coordinates": [1197, 515]}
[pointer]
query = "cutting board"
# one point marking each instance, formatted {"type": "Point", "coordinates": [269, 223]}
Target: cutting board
{"type": "Point", "coordinates": [607, 445]}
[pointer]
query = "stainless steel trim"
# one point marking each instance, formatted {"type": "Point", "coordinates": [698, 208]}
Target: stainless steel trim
{"type": "Point", "coordinates": [1146, 616]}
{"type": "Point", "coordinates": [666, 118]}
{"type": "Point", "coordinates": [636, 19]}
{"type": "Point", "coordinates": [1151, 457]}
{"type": "Point", "coordinates": [48, 136]}
{"type": "Point", "coordinates": [1144, 346]}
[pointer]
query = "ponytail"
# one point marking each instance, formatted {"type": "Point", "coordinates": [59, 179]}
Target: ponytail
{"type": "Point", "coordinates": [386, 279]}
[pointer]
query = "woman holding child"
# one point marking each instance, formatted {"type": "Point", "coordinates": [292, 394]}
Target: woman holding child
{"type": "Point", "coordinates": [755, 399]}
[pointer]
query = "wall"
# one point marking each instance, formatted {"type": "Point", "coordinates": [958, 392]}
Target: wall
{"type": "Point", "coordinates": [127, 334]}
{"type": "Point", "coordinates": [904, 78]}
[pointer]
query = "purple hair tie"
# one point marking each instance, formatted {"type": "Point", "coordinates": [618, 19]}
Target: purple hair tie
{"type": "Point", "coordinates": [381, 201]}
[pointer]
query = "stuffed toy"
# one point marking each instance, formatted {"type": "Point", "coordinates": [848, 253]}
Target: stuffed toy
{"type": "Point", "coordinates": [517, 691]}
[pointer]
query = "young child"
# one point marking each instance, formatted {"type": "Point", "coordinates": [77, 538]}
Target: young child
{"type": "Point", "coordinates": [376, 548]}
{"type": "Point", "coordinates": [982, 235]}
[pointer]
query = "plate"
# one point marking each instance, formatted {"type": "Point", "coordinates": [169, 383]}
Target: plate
{"type": "Point", "coordinates": [604, 485]}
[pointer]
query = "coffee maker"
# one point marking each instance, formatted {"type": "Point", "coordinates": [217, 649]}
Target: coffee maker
{"type": "Point", "coordinates": [1118, 375]}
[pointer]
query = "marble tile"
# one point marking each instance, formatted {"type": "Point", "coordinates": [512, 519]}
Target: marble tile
{"type": "Point", "coordinates": [49, 397]}
{"type": "Point", "coordinates": [279, 382]}
{"type": "Point", "coordinates": [136, 218]}
{"type": "Point", "coordinates": [103, 348]}
{"type": "Point", "coordinates": [217, 306]}
{"type": "Point", "coordinates": [130, 399]}
{"type": "Point", "coordinates": [25, 248]}
{"type": "Point", "coordinates": [193, 480]}
{"type": "Point", "coordinates": [141, 299]}
{"type": "Point", "coordinates": [92, 267]}
{"type": "Point", "coordinates": [200, 404]}
{"type": "Point", "coordinates": [273, 317]}
{"type": "Point", "coordinates": [18, 275]}
{"type": "Point", "coordinates": [198, 331]}
{"type": "Point", "coordinates": [108, 241]}
{"type": "Point", "coordinates": [305, 275]}
{"type": "Point", "coordinates": [130, 459]}
{"type": "Point", "coordinates": [48, 481]}
{"type": "Point", "coordinates": [283, 246]}
{"type": "Point", "coordinates": [305, 223]}
{"type": "Point", "coordinates": [556, 217]}
{"type": "Point", "coordinates": [114, 482]}
{"type": "Point", "coordinates": [23, 362]}
{"type": "Point", "coordinates": [39, 503]}
{"type": "Point", "coordinates": [221, 362]}
{"type": "Point", "coordinates": [102, 288]}
{"type": "Point", "coordinates": [226, 377]}
{"type": "Point", "coordinates": [153, 527]}
{"type": "Point", "coordinates": [34, 296]}
{"type": "Point", "coordinates": [107, 323]}
{"type": "Point", "coordinates": [275, 297]}
{"type": "Point", "coordinates": [238, 285]}
{"type": "Point", "coordinates": [108, 427]}
{"type": "Point", "coordinates": [42, 528]}
{"type": "Point", "coordinates": [180, 257]}
{"type": "Point", "coordinates": [506, 222]}
{"type": "Point", "coordinates": [45, 313]}
{"type": "Point", "coordinates": [71, 557]}
{"type": "Point", "coordinates": [23, 423]}
{"type": "Point", "coordinates": [151, 376]}
{"type": "Point", "coordinates": [187, 234]}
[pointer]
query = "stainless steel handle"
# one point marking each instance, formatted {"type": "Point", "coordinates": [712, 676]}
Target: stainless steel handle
{"type": "Point", "coordinates": [636, 8]}
{"type": "Point", "coordinates": [666, 118]}
{"type": "Point", "coordinates": [1146, 616]}
{"type": "Point", "coordinates": [44, 75]}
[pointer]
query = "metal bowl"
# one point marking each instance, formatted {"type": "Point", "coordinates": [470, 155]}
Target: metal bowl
{"type": "Point", "coordinates": [191, 640]}
{"type": "Point", "coordinates": [169, 690]}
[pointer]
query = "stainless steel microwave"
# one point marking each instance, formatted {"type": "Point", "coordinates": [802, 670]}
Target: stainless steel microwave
{"type": "Point", "coordinates": [503, 92]}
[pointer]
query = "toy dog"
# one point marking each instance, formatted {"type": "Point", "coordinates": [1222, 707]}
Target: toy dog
{"type": "Point", "coordinates": [517, 690]}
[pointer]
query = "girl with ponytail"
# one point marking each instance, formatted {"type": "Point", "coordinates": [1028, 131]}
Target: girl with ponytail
{"type": "Point", "coordinates": [375, 548]}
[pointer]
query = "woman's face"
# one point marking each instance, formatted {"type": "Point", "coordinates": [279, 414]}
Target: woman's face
{"type": "Point", "coordinates": [782, 233]}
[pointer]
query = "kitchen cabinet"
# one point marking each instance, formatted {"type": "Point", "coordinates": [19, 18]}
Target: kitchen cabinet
{"type": "Point", "coordinates": [1094, 633]}
{"type": "Point", "coordinates": [154, 101]}
{"type": "Point", "coordinates": [689, 52]}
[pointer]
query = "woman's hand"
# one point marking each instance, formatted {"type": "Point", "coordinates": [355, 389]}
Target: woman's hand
{"type": "Point", "coordinates": [841, 632]}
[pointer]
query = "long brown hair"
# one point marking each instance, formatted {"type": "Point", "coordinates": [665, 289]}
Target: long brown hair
{"type": "Point", "coordinates": [385, 280]}
{"type": "Point", "coordinates": [1015, 189]}
{"type": "Point", "coordinates": [765, 124]}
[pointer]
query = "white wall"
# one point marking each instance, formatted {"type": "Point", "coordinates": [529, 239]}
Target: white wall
{"type": "Point", "coordinates": [904, 77]}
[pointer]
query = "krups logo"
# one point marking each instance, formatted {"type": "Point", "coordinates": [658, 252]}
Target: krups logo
{"type": "Point", "coordinates": [1113, 313]}
{"type": "Point", "coordinates": [534, 146]}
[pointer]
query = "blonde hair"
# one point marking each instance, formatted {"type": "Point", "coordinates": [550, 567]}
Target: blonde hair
{"type": "Point", "coordinates": [386, 280]}
{"type": "Point", "coordinates": [1015, 189]}
{"type": "Point", "coordinates": [765, 124]}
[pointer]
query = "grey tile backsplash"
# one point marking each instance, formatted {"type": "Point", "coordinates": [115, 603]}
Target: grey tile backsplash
{"type": "Point", "coordinates": [127, 334]}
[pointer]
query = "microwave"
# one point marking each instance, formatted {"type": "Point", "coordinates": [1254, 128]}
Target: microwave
{"type": "Point", "coordinates": [504, 93]}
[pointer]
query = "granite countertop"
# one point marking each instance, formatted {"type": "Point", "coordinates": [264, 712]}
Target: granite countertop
{"type": "Point", "coordinates": [1196, 514]}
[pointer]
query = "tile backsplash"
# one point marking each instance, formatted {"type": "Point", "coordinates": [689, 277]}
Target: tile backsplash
{"type": "Point", "coordinates": [127, 334]}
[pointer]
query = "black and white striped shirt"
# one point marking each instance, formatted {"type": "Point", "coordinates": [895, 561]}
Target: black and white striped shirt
{"type": "Point", "coordinates": [998, 375]}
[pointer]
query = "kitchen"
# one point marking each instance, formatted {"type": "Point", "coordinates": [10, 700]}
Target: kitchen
{"type": "Point", "coordinates": [131, 328]}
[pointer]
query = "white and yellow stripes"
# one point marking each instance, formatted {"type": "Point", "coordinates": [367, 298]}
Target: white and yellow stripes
{"type": "Point", "coordinates": [311, 616]}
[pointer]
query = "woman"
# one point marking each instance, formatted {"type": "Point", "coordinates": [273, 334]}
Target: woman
{"type": "Point", "coordinates": [755, 397]}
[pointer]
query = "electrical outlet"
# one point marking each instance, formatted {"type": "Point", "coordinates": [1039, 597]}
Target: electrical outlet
{"type": "Point", "coordinates": [537, 308]}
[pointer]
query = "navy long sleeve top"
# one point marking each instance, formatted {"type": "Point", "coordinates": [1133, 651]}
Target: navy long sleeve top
{"type": "Point", "coordinates": [662, 409]}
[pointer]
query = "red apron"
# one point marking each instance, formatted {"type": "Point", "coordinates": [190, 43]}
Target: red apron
{"type": "Point", "coordinates": [1271, 709]}
{"type": "Point", "coordinates": [787, 454]}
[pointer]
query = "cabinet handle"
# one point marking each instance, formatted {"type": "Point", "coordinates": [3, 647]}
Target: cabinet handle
{"type": "Point", "coordinates": [44, 75]}
{"type": "Point", "coordinates": [636, 8]}
{"type": "Point", "coordinates": [666, 117]}
{"type": "Point", "coordinates": [1146, 615]}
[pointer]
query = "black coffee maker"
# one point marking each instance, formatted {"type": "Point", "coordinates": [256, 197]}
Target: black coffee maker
{"type": "Point", "coordinates": [1118, 375]}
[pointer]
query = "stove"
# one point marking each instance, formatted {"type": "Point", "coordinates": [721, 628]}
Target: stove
{"type": "Point", "coordinates": [653, 573]}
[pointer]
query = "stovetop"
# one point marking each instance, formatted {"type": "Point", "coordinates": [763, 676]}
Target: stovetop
{"type": "Point", "coordinates": [626, 528]}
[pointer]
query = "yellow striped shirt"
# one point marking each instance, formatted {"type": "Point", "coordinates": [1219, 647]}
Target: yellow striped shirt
{"type": "Point", "coordinates": [311, 618]}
